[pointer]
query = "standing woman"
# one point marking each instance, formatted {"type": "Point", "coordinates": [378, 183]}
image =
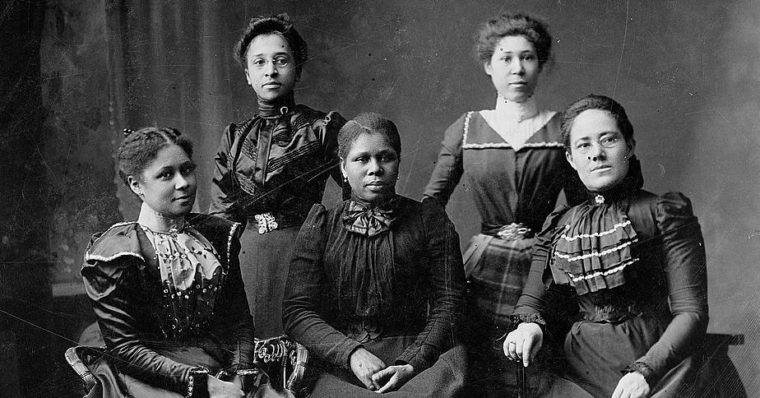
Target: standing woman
{"type": "Point", "coordinates": [512, 159]}
{"type": "Point", "coordinates": [632, 263]}
{"type": "Point", "coordinates": [272, 168]}
{"type": "Point", "coordinates": [166, 289]}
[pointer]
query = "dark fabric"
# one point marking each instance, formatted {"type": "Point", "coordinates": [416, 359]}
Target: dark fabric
{"type": "Point", "coordinates": [367, 220]}
{"type": "Point", "coordinates": [125, 290]}
{"type": "Point", "coordinates": [444, 379]}
{"type": "Point", "coordinates": [426, 271]}
{"type": "Point", "coordinates": [658, 317]}
{"type": "Point", "coordinates": [508, 186]}
{"type": "Point", "coordinates": [265, 259]}
{"type": "Point", "coordinates": [275, 162]}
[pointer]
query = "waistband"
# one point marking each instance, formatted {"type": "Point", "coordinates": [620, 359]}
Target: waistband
{"type": "Point", "coordinates": [270, 221]}
{"type": "Point", "coordinates": [511, 231]}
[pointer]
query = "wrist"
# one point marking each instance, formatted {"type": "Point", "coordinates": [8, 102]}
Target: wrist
{"type": "Point", "coordinates": [642, 369]}
{"type": "Point", "coordinates": [197, 385]}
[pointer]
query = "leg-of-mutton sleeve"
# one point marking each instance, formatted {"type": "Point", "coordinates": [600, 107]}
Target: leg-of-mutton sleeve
{"type": "Point", "coordinates": [304, 294]}
{"type": "Point", "coordinates": [449, 168]}
{"type": "Point", "coordinates": [686, 273]}
{"type": "Point", "coordinates": [445, 275]}
{"type": "Point", "coordinates": [223, 197]}
{"type": "Point", "coordinates": [233, 323]}
{"type": "Point", "coordinates": [120, 305]}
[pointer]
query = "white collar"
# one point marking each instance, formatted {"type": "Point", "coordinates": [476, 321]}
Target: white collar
{"type": "Point", "coordinates": [516, 111]}
{"type": "Point", "coordinates": [157, 222]}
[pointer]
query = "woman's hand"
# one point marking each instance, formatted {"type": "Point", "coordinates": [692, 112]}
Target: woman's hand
{"type": "Point", "coordinates": [223, 389]}
{"type": "Point", "coordinates": [632, 385]}
{"type": "Point", "coordinates": [364, 364]}
{"type": "Point", "coordinates": [524, 342]}
{"type": "Point", "coordinates": [393, 377]}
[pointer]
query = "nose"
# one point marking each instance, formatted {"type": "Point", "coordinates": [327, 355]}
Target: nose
{"type": "Point", "coordinates": [375, 168]}
{"type": "Point", "coordinates": [181, 182]}
{"type": "Point", "coordinates": [517, 67]}
{"type": "Point", "coordinates": [271, 69]}
{"type": "Point", "coordinates": [597, 153]}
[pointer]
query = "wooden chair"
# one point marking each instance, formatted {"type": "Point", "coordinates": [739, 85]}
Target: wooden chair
{"type": "Point", "coordinates": [280, 358]}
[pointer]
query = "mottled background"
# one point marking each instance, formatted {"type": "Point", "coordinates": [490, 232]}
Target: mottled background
{"type": "Point", "coordinates": [74, 73]}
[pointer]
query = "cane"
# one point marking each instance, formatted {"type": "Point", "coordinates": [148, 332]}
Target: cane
{"type": "Point", "coordinates": [522, 387]}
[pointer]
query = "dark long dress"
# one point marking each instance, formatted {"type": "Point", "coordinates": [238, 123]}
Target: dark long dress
{"type": "Point", "coordinates": [269, 171]}
{"type": "Point", "coordinates": [509, 187]}
{"type": "Point", "coordinates": [398, 294]}
{"type": "Point", "coordinates": [633, 266]}
{"type": "Point", "coordinates": [154, 337]}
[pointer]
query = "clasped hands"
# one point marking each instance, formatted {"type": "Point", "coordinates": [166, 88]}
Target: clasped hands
{"type": "Point", "coordinates": [372, 372]}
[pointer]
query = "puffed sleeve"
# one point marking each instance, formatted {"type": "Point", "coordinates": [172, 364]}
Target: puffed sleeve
{"type": "Point", "coordinates": [328, 128]}
{"type": "Point", "coordinates": [448, 169]}
{"type": "Point", "coordinates": [446, 278]}
{"type": "Point", "coordinates": [304, 295]}
{"type": "Point", "coordinates": [233, 321]}
{"type": "Point", "coordinates": [224, 192]}
{"type": "Point", "coordinates": [120, 304]}
{"type": "Point", "coordinates": [686, 273]}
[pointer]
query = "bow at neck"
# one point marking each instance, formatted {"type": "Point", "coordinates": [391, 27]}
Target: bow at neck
{"type": "Point", "coordinates": [365, 219]}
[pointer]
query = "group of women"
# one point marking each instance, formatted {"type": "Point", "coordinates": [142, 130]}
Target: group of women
{"type": "Point", "coordinates": [612, 283]}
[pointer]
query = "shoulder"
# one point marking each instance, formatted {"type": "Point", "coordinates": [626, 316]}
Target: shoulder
{"type": "Point", "coordinates": [120, 240]}
{"type": "Point", "coordinates": [305, 116]}
{"type": "Point", "coordinates": [219, 231]}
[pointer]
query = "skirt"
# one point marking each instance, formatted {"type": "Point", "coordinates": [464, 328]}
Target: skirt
{"type": "Point", "coordinates": [444, 379]}
{"type": "Point", "coordinates": [264, 264]}
{"type": "Point", "coordinates": [496, 271]}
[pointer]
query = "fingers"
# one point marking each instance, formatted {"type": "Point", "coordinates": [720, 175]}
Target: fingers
{"type": "Point", "coordinates": [392, 379]}
{"type": "Point", "coordinates": [526, 351]}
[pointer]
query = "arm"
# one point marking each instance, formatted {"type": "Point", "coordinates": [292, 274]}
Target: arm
{"type": "Point", "coordinates": [233, 323]}
{"type": "Point", "coordinates": [305, 292]}
{"type": "Point", "coordinates": [120, 307]}
{"type": "Point", "coordinates": [686, 273]}
{"type": "Point", "coordinates": [446, 279]}
{"type": "Point", "coordinates": [223, 197]}
{"type": "Point", "coordinates": [331, 126]}
{"type": "Point", "coordinates": [448, 169]}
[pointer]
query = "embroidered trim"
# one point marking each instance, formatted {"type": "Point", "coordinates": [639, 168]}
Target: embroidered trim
{"type": "Point", "coordinates": [229, 242]}
{"type": "Point", "coordinates": [466, 128]}
{"type": "Point", "coordinates": [595, 234]}
{"type": "Point", "coordinates": [605, 273]}
{"type": "Point", "coordinates": [596, 254]}
{"type": "Point", "coordinates": [499, 145]}
{"type": "Point", "coordinates": [96, 257]}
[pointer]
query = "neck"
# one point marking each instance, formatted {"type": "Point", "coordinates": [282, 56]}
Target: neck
{"type": "Point", "coordinates": [276, 107]}
{"type": "Point", "coordinates": [158, 222]}
{"type": "Point", "coordinates": [517, 110]}
{"type": "Point", "coordinates": [379, 202]}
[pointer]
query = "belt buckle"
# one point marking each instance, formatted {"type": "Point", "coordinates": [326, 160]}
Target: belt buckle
{"type": "Point", "coordinates": [266, 222]}
{"type": "Point", "coordinates": [513, 231]}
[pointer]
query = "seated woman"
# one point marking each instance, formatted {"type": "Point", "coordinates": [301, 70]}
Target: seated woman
{"type": "Point", "coordinates": [376, 283]}
{"type": "Point", "coordinates": [631, 263]}
{"type": "Point", "coordinates": [166, 289]}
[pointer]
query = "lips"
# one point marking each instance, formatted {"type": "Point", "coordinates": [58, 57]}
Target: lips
{"type": "Point", "coordinates": [271, 85]}
{"type": "Point", "coordinates": [182, 198]}
{"type": "Point", "coordinates": [601, 168]}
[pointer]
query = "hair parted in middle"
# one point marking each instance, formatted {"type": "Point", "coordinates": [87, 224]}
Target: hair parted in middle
{"type": "Point", "coordinates": [533, 29]}
{"type": "Point", "coordinates": [141, 147]}
{"type": "Point", "coordinates": [367, 123]}
{"type": "Point", "coordinates": [600, 102]}
{"type": "Point", "coordinates": [280, 24]}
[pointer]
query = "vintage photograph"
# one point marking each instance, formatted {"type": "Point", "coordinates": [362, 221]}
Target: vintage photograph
{"type": "Point", "coordinates": [337, 198]}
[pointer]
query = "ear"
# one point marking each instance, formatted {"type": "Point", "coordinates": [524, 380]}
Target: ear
{"type": "Point", "coordinates": [247, 78]}
{"type": "Point", "coordinates": [134, 185]}
{"type": "Point", "coordinates": [631, 148]}
{"type": "Point", "coordinates": [488, 68]}
{"type": "Point", "coordinates": [569, 157]}
{"type": "Point", "coordinates": [343, 168]}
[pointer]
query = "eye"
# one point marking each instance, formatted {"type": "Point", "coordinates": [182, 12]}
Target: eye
{"type": "Point", "coordinates": [361, 159]}
{"type": "Point", "coordinates": [529, 57]}
{"type": "Point", "coordinates": [610, 140]}
{"type": "Point", "coordinates": [165, 175]}
{"type": "Point", "coordinates": [282, 61]}
{"type": "Point", "coordinates": [583, 146]}
{"type": "Point", "coordinates": [187, 169]}
{"type": "Point", "coordinates": [387, 157]}
{"type": "Point", "coordinates": [258, 62]}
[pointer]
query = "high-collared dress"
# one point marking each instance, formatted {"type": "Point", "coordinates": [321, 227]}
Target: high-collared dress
{"type": "Point", "coordinates": [385, 278]}
{"type": "Point", "coordinates": [269, 171]}
{"type": "Point", "coordinates": [167, 303]}
{"type": "Point", "coordinates": [631, 268]}
{"type": "Point", "coordinates": [512, 161]}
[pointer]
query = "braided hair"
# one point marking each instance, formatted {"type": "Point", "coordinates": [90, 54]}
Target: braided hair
{"type": "Point", "coordinates": [141, 147]}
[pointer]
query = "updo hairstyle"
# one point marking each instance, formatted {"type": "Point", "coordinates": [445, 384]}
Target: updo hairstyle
{"type": "Point", "coordinates": [367, 123]}
{"type": "Point", "coordinates": [276, 24]}
{"type": "Point", "coordinates": [141, 147]}
{"type": "Point", "coordinates": [493, 30]}
{"type": "Point", "coordinates": [600, 102]}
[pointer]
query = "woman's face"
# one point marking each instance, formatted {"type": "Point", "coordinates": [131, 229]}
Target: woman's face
{"type": "Point", "coordinates": [514, 68]}
{"type": "Point", "coordinates": [167, 184]}
{"type": "Point", "coordinates": [371, 167]}
{"type": "Point", "coordinates": [598, 150]}
{"type": "Point", "coordinates": [270, 67]}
